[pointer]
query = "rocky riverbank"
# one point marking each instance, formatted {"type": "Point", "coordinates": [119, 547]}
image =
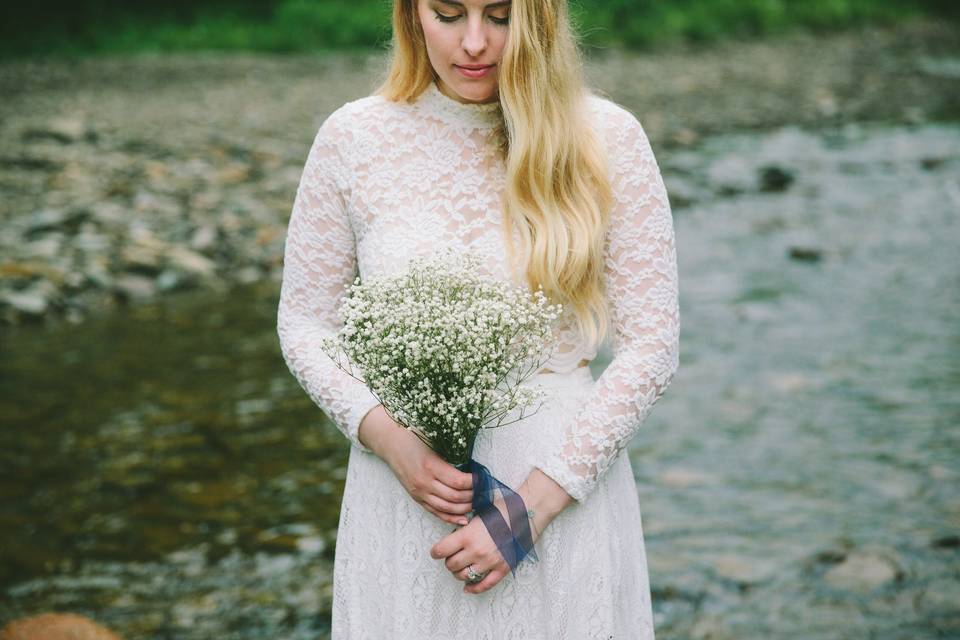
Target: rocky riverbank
{"type": "Point", "coordinates": [125, 180]}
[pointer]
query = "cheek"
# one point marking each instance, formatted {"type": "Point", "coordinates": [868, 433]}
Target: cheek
{"type": "Point", "coordinates": [500, 43]}
{"type": "Point", "coordinates": [436, 39]}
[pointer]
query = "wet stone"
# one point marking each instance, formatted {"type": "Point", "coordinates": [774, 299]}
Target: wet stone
{"type": "Point", "coordinates": [864, 571]}
{"type": "Point", "coordinates": [134, 287]}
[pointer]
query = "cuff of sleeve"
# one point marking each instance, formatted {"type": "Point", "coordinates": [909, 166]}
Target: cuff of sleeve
{"type": "Point", "coordinates": [577, 486]}
{"type": "Point", "coordinates": [357, 413]}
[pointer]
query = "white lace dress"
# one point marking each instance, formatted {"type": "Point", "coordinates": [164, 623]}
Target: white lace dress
{"type": "Point", "coordinates": [385, 182]}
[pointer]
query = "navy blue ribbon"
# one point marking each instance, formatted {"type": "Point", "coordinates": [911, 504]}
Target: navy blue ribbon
{"type": "Point", "coordinates": [514, 541]}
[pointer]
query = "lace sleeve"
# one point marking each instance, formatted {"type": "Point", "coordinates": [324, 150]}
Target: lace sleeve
{"type": "Point", "coordinates": [642, 296]}
{"type": "Point", "coordinates": [319, 264]}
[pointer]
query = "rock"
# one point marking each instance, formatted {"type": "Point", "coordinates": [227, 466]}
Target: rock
{"type": "Point", "coordinates": [680, 478]}
{"type": "Point", "coordinates": [709, 626]}
{"type": "Point", "coordinates": [731, 175]}
{"type": "Point", "coordinates": [169, 280]}
{"type": "Point", "coordinates": [311, 545]}
{"type": "Point", "coordinates": [46, 248]}
{"type": "Point", "coordinates": [774, 178]}
{"type": "Point", "coordinates": [155, 204]}
{"type": "Point", "coordinates": [190, 261]}
{"type": "Point", "coordinates": [132, 286]}
{"type": "Point", "coordinates": [864, 571]}
{"type": "Point", "coordinates": [142, 258]}
{"type": "Point", "coordinates": [943, 67]}
{"type": "Point", "coordinates": [186, 614]}
{"type": "Point", "coordinates": [109, 214]}
{"type": "Point", "coordinates": [805, 254]}
{"type": "Point", "coordinates": [91, 242]}
{"type": "Point", "coordinates": [98, 276]}
{"type": "Point", "coordinates": [29, 163]}
{"type": "Point", "coordinates": [250, 274]}
{"type": "Point", "coordinates": [56, 626]}
{"type": "Point", "coordinates": [826, 103]}
{"type": "Point", "coordinates": [931, 164]}
{"type": "Point", "coordinates": [742, 569]}
{"type": "Point", "coordinates": [44, 220]}
{"type": "Point", "coordinates": [27, 270]}
{"type": "Point", "coordinates": [62, 130]}
{"type": "Point", "coordinates": [948, 541]}
{"type": "Point", "coordinates": [681, 191]}
{"type": "Point", "coordinates": [30, 303]}
{"type": "Point", "coordinates": [55, 220]}
{"type": "Point", "coordinates": [204, 237]}
{"type": "Point", "coordinates": [686, 137]}
{"type": "Point", "coordinates": [941, 595]}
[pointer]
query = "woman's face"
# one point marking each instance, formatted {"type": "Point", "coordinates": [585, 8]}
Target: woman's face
{"type": "Point", "coordinates": [464, 34]}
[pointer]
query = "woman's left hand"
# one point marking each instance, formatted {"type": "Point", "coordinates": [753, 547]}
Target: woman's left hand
{"type": "Point", "coordinates": [469, 545]}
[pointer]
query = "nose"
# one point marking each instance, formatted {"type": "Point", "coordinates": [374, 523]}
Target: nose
{"type": "Point", "coordinates": [475, 40]}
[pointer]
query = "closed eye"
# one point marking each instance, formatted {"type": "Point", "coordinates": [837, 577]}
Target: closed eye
{"type": "Point", "coordinates": [445, 18]}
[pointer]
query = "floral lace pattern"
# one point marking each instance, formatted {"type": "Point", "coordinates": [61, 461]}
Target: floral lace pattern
{"type": "Point", "coordinates": [385, 182]}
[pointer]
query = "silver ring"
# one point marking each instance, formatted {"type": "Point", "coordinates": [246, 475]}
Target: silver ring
{"type": "Point", "coordinates": [473, 576]}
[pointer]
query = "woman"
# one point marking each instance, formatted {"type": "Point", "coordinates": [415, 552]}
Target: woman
{"type": "Point", "coordinates": [482, 137]}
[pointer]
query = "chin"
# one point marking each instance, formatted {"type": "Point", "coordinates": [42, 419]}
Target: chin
{"type": "Point", "coordinates": [475, 92]}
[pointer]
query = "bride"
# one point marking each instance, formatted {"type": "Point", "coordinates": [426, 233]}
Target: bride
{"type": "Point", "coordinates": [483, 136]}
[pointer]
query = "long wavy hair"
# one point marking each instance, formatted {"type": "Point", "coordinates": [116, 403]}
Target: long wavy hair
{"type": "Point", "coordinates": [558, 192]}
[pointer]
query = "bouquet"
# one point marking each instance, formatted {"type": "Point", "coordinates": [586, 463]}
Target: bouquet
{"type": "Point", "coordinates": [446, 351]}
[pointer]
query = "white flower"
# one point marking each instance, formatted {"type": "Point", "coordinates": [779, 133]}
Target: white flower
{"type": "Point", "coordinates": [443, 347]}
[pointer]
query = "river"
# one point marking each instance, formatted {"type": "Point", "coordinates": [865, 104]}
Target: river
{"type": "Point", "coordinates": [162, 472]}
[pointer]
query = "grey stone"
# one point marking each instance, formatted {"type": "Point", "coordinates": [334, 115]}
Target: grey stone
{"type": "Point", "coordinates": [30, 302]}
{"type": "Point", "coordinates": [134, 286]}
{"type": "Point", "coordinates": [184, 259]}
{"type": "Point", "coordinates": [204, 237]}
{"type": "Point", "coordinates": [864, 571]}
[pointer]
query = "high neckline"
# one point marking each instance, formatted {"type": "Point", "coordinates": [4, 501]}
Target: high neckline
{"type": "Point", "coordinates": [476, 115]}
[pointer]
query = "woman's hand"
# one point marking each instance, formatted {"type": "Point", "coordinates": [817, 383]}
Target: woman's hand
{"type": "Point", "coordinates": [433, 482]}
{"type": "Point", "coordinates": [472, 545]}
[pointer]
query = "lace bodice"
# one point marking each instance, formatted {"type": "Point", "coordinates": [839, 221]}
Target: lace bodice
{"type": "Point", "coordinates": [387, 181]}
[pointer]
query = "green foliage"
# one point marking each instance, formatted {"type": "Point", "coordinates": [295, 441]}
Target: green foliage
{"type": "Point", "coordinates": [644, 23]}
{"type": "Point", "coordinates": [331, 25]}
{"type": "Point", "coordinates": [303, 25]}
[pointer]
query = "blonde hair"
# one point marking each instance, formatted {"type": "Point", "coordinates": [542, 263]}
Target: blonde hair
{"type": "Point", "coordinates": [558, 192]}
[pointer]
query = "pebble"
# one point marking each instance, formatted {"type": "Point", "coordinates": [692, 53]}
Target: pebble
{"type": "Point", "coordinates": [864, 571]}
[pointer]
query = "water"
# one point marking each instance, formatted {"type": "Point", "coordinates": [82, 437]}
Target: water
{"type": "Point", "coordinates": [161, 471]}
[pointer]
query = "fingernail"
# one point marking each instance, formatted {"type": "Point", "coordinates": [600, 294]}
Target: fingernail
{"type": "Point", "coordinates": [464, 521]}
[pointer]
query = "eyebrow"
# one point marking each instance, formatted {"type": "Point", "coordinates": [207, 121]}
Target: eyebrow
{"type": "Point", "coordinates": [492, 5]}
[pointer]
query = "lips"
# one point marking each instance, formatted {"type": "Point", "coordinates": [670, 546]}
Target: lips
{"type": "Point", "coordinates": [473, 67]}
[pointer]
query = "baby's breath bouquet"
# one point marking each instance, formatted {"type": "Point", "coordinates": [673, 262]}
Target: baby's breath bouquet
{"type": "Point", "coordinates": [446, 351]}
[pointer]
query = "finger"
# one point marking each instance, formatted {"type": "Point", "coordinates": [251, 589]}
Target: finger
{"type": "Point", "coordinates": [445, 517]}
{"type": "Point", "coordinates": [488, 582]}
{"type": "Point", "coordinates": [451, 477]}
{"type": "Point", "coordinates": [449, 545]}
{"type": "Point", "coordinates": [448, 493]}
{"type": "Point", "coordinates": [459, 561]}
{"type": "Point", "coordinates": [440, 504]}
{"type": "Point", "coordinates": [452, 518]}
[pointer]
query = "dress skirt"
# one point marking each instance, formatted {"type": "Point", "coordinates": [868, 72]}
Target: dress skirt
{"type": "Point", "coordinates": [590, 580]}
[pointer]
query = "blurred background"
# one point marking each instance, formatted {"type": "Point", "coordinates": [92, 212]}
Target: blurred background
{"type": "Point", "coordinates": [162, 472]}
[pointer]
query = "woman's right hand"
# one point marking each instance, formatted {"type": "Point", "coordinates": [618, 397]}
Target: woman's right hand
{"type": "Point", "coordinates": [434, 483]}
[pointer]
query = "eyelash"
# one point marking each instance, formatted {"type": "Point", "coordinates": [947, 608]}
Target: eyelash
{"type": "Point", "coordinates": [498, 21]}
